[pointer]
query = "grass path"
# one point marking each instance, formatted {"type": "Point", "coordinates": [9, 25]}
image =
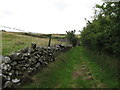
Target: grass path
{"type": "Point", "coordinates": [76, 68]}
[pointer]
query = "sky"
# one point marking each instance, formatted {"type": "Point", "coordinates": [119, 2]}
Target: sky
{"type": "Point", "coordinates": [46, 16]}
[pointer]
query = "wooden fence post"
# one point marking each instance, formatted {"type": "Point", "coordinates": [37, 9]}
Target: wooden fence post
{"type": "Point", "coordinates": [49, 40]}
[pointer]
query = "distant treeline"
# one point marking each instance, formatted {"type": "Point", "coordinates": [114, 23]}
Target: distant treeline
{"type": "Point", "coordinates": [42, 35]}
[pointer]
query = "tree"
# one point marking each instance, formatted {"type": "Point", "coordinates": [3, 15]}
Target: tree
{"type": "Point", "coordinates": [103, 32]}
{"type": "Point", "coordinates": [71, 37]}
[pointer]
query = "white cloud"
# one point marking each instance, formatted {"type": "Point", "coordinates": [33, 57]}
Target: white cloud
{"type": "Point", "coordinates": [46, 16]}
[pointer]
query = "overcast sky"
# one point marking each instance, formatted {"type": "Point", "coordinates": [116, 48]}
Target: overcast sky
{"type": "Point", "coordinates": [46, 16]}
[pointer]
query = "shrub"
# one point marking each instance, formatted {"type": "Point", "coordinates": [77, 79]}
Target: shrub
{"type": "Point", "coordinates": [71, 37]}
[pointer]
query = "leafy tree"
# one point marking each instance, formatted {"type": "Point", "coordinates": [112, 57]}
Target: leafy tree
{"type": "Point", "coordinates": [103, 32]}
{"type": "Point", "coordinates": [71, 37]}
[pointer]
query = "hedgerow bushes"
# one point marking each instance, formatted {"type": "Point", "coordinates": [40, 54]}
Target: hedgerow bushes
{"type": "Point", "coordinates": [103, 32]}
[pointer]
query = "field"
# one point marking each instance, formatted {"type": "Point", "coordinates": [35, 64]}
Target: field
{"type": "Point", "coordinates": [12, 41]}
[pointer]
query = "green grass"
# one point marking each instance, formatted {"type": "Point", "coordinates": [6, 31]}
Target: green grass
{"type": "Point", "coordinates": [59, 74]}
{"type": "Point", "coordinates": [12, 42]}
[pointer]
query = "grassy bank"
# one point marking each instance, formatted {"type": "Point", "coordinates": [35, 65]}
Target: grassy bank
{"type": "Point", "coordinates": [13, 42]}
{"type": "Point", "coordinates": [78, 68]}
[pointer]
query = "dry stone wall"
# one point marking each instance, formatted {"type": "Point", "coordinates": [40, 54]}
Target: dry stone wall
{"type": "Point", "coordinates": [18, 65]}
